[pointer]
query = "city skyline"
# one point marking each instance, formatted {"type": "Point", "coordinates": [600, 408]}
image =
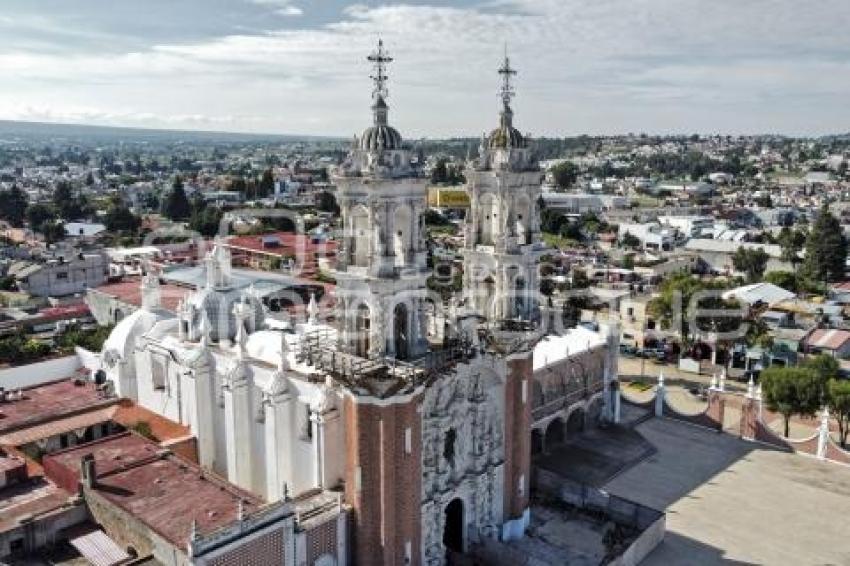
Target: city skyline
{"type": "Point", "coordinates": [292, 67]}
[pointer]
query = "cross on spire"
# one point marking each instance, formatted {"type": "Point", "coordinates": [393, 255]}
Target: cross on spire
{"type": "Point", "coordinates": [380, 58]}
{"type": "Point", "coordinates": [507, 72]}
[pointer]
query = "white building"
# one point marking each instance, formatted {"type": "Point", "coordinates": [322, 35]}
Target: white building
{"type": "Point", "coordinates": [652, 235]}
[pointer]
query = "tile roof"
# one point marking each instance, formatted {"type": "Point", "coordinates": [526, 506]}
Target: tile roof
{"type": "Point", "coordinates": [163, 491]}
{"type": "Point", "coordinates": [828, 338]}
{"type": "Point", "coordinates": [50, 401]}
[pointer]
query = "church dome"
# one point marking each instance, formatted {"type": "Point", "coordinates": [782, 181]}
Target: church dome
{"type": "Point", "coordinates": [380, 137]}
{"type": "Point", "coordinates": [506, 136]}
{"type": "Point", "coordinates": [218, 306]}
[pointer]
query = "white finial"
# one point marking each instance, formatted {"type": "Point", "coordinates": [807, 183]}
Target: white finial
{"type": "Point", "coordinates": [723, 380]}
{"type": "Point", "coordinates": [713, 384]}
{"type": "Point", "coordinates": [661, 378]}
{"type": "Point", "coordinates": [241, 338]}
{"type": "Point", "coordinates": [758, 392]}
{"type": "Point", "coordinates": [283, 364]}
{"type": "Point", "coordinates": [751, 387]}
{"type": "Point", "coordinates": [205, 328]}
{"type": "Point", "coordinates": [312, 310]}
{"type": "Point", "coordinates": [824, 418]}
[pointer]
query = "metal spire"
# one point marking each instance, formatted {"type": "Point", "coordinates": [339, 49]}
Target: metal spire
{"type": "Point", "coordinates": [380, 57]}
{"type": "Point", "coordinates": [507, 91]}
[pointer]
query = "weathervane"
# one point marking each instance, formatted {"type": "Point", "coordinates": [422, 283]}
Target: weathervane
{"type": "Point", "coordinates": [380, 58]}
{"type": "Point", "coordinates": [507, 71]}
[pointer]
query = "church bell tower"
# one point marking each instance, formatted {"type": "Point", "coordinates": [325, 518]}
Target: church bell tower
{"type": "Point", "coordinates": [381, 279]}
{"type": "Point", "coordinates": [502, 228]}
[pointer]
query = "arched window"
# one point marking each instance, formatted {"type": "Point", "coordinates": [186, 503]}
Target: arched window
{"type": "Point", "coordinates": [402, 239]}
{"type": "Point", "coordinates": [401, 332]}
{"type": "Point", "coordinates": [362, 330]}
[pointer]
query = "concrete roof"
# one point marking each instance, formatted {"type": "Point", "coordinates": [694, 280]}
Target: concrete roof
{"type": "Point", "coordinates": [766, 293]}
{"type": "Point", "coordinates": [724, 246]}
{"type": "Point", "coordinates": [554, 348]}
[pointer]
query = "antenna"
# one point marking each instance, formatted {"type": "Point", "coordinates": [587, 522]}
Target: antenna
{"type": "Point", "coordinates": [507, 91]}
{"type": "Point", "coordinates": [380, 58]}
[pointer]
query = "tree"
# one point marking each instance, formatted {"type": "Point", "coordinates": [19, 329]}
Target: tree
{"type": "Point", "coordinates": [440, 172]}
{"type": "Point", "coordinates": [66, 202]}
{"type": "Point", "coordinates": [552, 221]}
{"type": "Point", "coordinates": [752, 261]}
{"type": "Point", "coordinates": [564, 174]}
{"type": "Point", "coordinates": [671, 307]}
{"type": "Point", "coordinates": [206, 221]}
{"type": "Point", "coordinates": [119, 218]}
{"type": "Point", "coordinates": [53, 231]}
{"type": "Point", "coordinates": [176, 205]}
{"type": "Point", "coordinates": [38, 214]}
{"type": "Point", "coordinates": [791, 391]}
{"type": "Point", "coordinates": [326, 202]}
{"type": "Point", "coordinates": [825, 366]}
{"type": "Point", "coordinates": [434, 218]}
{"type": "Point", "coordinates": [788, 280]}
{"type": "Point", "coordinates": [266, 185]}
{"type": "Point", "coordinates": [629, 240]}
{"type": "Point", "coordinates": [13, 206]}
{"type": "Point", "coordinates": [826, 249]}
{"type": "Point", "coordinates": [838, 401]}
{"type": "Point", "coordinates": [792, 242]}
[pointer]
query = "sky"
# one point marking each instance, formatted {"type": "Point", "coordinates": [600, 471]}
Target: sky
{"type": "Point", "coordinates": [299, 66]}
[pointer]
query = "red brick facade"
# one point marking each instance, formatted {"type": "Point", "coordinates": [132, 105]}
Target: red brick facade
{"type": "Point", "coordinates": [386, 508]}
{"type": "Point", "coordinates": [517, 435]}
{"type": "Point", "coordinates": [322, 540]}
{"type": "Point", "coordinates": [263, 550]}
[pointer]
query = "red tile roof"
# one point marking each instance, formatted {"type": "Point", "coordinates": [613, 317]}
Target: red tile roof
{"type": "Point", "coordinates": [50, 401]}
{"type": "Point", "coordinates": [289, 244]}
{"type": "Point", "coordinates": [827, 338]}
{"type": "Point", "coordinates": [163, 491]}
{"type": "Point", "coordinates": [129, 291]}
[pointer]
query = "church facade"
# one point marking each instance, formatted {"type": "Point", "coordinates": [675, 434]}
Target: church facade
{"type": "Point", "coordinates": [424, 434]}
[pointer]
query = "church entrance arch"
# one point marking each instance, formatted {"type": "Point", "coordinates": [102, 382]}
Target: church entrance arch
{"type": "Point", "coordinates": [401, 336]}
{"type": "Point", "coordinates": [453, 535]}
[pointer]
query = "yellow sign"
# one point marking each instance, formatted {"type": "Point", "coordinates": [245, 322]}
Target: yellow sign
{"type": "Point", "coordinates": [443, 197]}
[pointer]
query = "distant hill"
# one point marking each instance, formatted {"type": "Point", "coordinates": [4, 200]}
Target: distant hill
{"type": "Point", "coordinates": [10, 129]}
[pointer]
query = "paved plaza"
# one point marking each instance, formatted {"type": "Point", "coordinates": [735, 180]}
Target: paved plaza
{"type": "Point", "coordinates": [734, 502]}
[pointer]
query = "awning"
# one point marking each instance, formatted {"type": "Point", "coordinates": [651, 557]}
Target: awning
{"type": "Point", "coordinates": [99, 549]}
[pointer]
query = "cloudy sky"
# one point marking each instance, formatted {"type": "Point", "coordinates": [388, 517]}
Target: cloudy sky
{"type": "Point", "coordinates": [298, 66]}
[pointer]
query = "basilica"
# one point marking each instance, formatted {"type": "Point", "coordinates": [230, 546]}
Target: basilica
{"type": "Point", "coordinates": [414, 411]}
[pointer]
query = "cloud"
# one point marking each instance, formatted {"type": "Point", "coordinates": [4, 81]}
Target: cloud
{"type": "Point", "coordinates": [614, 66]}
{"type": "Point", "coordinates": [281, 7]}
